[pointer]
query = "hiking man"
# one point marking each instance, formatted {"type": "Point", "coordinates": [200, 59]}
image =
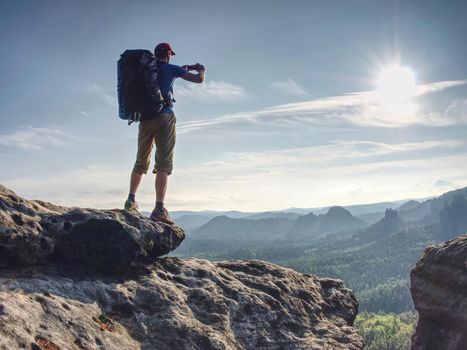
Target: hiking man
{"type": "Point", "coordinates": [160, 129]}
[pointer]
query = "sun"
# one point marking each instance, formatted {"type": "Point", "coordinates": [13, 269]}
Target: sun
{"type": "Point", "coordinates": [396, 89]}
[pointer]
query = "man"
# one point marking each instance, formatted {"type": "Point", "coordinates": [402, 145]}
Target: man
{"type": "Point", "coordinates": [160, 129]}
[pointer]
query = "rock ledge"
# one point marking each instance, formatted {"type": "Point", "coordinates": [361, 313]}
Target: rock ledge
{"type": "Point", "coordinates": [94, 279]}
{"type": "Point", "coordinates": [112, 240]}
{"type": "Point", "coordinates": [439, 291]}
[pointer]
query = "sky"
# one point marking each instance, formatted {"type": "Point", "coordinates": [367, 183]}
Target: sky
{"type": "Point", "coordinates": [305, 103]}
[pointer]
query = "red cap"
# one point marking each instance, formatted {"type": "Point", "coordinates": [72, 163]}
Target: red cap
{"type": "Point", "coordinates": [164, 46]}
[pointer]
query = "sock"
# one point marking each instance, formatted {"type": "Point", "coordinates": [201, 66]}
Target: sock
{"type": "Point", "coordinates": [159, 206]}
{"type": "Point", "coordinates": [131, 197]}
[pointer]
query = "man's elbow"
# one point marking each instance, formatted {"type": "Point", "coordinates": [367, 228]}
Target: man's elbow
{"type": "Point", "coordinates": [201, 74]}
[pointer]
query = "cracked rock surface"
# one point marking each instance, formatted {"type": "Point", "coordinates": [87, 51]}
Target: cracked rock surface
{"type": "Point", "coordinates": [58, 292]}
{"type": "Point", "coordinates": [439, 292]}
{"type": "Point", "coordinates": [177, 304]}
{"type": "Point", "coordinates": [112, 240]}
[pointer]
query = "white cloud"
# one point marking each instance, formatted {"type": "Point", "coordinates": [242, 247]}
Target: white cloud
{"type": "Point", "coordinates": [315, 157]}
{"type": "Point", "coordinates": [106, 95]}
{"type": "Point", "coordinates": [94, 89]}
{"type": "Point", "coordinates": [211, 91]}
{"type": "Point", "coordinates": [289, 88]}
{"type": "Point", "coordinates": [354, 109]}
{"type": "Point", "coordinates": [443, 183]}
{"type": "Point", "coordinates": [457, 111]}
{"type": "Point", "coordinates": [321, 175]}
{"type": "Point", "coordinates": [304, 177]}
{"type": "Point", "coordinates": [36, 139]}
{"type": "Point", "coordinates": [111, 100]}
{"type": "Point", "coordinates": [99, 186]}
{"type": "Point", "coordinates": [439, 86]}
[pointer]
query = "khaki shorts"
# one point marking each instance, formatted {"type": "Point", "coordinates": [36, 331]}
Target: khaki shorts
{"type": "Point", "coordinates": [161, 131]}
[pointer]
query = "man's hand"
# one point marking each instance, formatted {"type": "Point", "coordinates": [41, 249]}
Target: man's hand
{"type": "Point", "coordinates": [196, 67]}
{"type": "Point", "coordinates": [194, 78]}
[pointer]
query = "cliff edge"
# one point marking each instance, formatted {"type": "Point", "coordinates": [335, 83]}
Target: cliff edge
{"type": "Point", "coordinates": [439, 292]}
{"type": "Point", "coordinates": [74, 278]}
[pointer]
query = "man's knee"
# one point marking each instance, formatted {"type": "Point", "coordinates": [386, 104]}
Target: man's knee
{"type": "Point", "coordinates": [166, 170]}
{"type": "Point", "coordinates": [140, 168]}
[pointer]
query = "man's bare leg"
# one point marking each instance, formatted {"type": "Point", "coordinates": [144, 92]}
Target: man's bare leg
{"type": "Point", "coordinates": [160, 213]}
{"type": "Point", "coordinates": [135, 181]}
{"type": "Point", "coordinates": [161, 185]}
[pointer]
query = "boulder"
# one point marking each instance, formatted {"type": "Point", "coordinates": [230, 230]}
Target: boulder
{"type": "Point", "coordinates": [73, 278]}
{"type": "Point", "coordinates": [439, 292]}
{"type": "Point", "coordinates": [112, 240]}
{"type": "Point", "coordinates": [177, 304]}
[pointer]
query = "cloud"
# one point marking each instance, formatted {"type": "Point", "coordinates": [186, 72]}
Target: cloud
{"type": "Point", "coordinates": [359, 109]}
{"type": "Point", "coordinates": [211, 91]}
{"type": "Point", "coordinates": [208, 92]}
{"type": "Point", "coordinates": [443, 183]}
{"type": "Point", "coordinates": [111, 100]}
{"type": "Point", "coordinates": [439, 86]}
{"type": "Point", "coordinates": [289, 88]}
{"type": "Point", "coordinates": [99, 186]}
{"type": "Point", "coordinates": [106, 95]}
{"type": "Point", "coordinates": [94, 89]}
{"type": "Point", "coordinates": [35, 139]}
{"type": "Point", "coordinates": [457, 110]}
{"type": "Point", "coordinates": [95, 185]}
{"type": "Point", "coordinates": [322, 175]}
{"type": "Point", "coordinates": [338, 152]}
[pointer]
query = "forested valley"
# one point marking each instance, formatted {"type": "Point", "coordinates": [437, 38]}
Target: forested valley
{"type": "Point", "coordinates": [374, 260]}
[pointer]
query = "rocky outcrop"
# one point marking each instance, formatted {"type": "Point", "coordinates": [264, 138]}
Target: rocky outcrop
{"type": "Point", "coordinates": [177, 304]}
{"type": "Point", "coordinates": [439, 291]}
{"type": "Point", "coordinates": [112, 240]}
{"type": "Point", "coordinates": [383, 228]}
{"type": "Point", "coordinates": [336, 219]}
{"type": "Point", "coordinates": [92, 279]}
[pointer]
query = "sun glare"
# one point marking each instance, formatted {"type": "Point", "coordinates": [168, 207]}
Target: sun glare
{"type": "Point", "coordinates": [395, 90]}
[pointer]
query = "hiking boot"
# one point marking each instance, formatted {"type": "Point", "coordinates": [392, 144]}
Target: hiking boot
{"type": "Point", "coordinates": [131, 206]}
{"type": "Point", "coordinates": [161, 216]}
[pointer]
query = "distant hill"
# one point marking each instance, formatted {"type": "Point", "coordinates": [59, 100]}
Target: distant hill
{"type": "Point", "coordinates": [224, 227]}
{"type": "Point", "coordinates": [390, 223]}
{"type": "Point", "coordinates": [453, 216]}
{"type": "Point", "coordinates": [210, 213]}
{"type": "Point", "coordinates": [273, 214]}
{"type": "Point", "coordinates": [416, 213]}
{"type": "Point", "coordinates": [371, 218]}
{"type": "Point", "coordinates": [410, 205]}
{"type": "Point", "coordinates": [335, 220]}
{"type": "Point", "coordinates": [429, 210]}
{"type": "Point", "coordinates": [439, 203]}
{"type": "Point", "coordinates": [361, 209]}
{"type": "Point", "coordinates": [191, 222]}
{"type": "Point", "coordinates": [374, 211]}
{"type": "Point", "coordinates": [375, 261]}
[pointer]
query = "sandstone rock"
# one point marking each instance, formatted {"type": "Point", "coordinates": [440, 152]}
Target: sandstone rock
{"type": "Point", "coordinates": [49, 299]}
{"type": "Point", "coordinates": [113, 240]}
{"type": "Point", "coordinates": [178, 304]}
{"type": "Point", "coordinates": [439, 291]}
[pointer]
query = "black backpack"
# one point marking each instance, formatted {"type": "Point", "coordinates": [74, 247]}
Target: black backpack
{"type": "Point", "coordinates": [139, 94]}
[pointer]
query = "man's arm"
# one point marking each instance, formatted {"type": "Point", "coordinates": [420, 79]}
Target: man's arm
{"type": "Point", "coordinates": [195, 78]}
